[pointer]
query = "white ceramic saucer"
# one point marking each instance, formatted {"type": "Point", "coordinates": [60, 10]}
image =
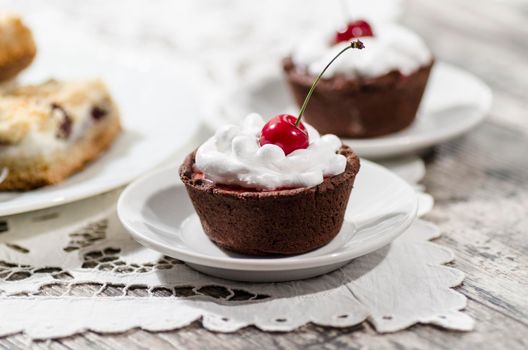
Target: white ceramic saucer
{"type": "Point", "coordinates": [455, 101]}
{"type": "Point", "coordinates": [157, 212]}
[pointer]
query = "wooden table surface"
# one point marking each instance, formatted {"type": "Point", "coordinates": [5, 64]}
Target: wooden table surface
{"type": "Point", "coordinates": [480, 183]}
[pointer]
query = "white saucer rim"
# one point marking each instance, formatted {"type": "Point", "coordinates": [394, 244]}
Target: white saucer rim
{"type": "Point", "coordinates": [421, 141]}
{"type": "Point", "coordinates": [260, 264]}
{"type": "Point", "coordinates": [400, 146]}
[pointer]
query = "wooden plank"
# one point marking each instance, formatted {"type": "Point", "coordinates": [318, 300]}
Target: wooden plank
{"type": "Point", "coordinates": [85, 341]}
{"type": "Point", "coordinates": [461, 33]}
{"type": "Point", "coordinates": [114, 341]}
{"type": "Point", "coordinates": [19, 341]}
{"type": "Point", "coordinates": [482, 196]}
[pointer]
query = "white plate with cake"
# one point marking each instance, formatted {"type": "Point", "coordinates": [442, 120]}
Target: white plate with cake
{"type": "Point", "coordinates": [273, 201]}
{"type": "Point", "coordinates": [454, 103]}
{"type": "Point", "coordinates": [90, 119]}
{"type": "Point", "coordinates": [371, 99]}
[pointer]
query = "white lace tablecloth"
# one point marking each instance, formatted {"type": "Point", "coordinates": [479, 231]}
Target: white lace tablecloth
{"type": "Point", "coordinates": [99, 274]}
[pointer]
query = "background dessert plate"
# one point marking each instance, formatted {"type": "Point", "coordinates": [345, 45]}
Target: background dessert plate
{"type": "Point", "coordinates": [156, 99]}
{"type": "Point", "coordinates": [158, 213]}
{"type": "Point", "coordinates": [454, 102]}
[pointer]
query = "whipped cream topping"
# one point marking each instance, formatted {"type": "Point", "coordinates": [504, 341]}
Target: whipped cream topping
{"type": "Point", "coordinates": [392, 48]}
{"type": "Point", "coordinates": [233, 156]}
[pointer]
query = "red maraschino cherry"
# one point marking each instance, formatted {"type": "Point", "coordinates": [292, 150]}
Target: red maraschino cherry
{"type": "Point", "coordinates": [282, 130]}
{"type": "Point", "coordinates": [287, 131]}
{"type": "Point", "coordinates": [355, 29]}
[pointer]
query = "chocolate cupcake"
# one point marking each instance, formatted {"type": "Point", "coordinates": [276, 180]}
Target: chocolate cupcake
{"type": "Point", "coordinates": [257, 200]}
{"type": "Point", "coordinates": [372, 93]}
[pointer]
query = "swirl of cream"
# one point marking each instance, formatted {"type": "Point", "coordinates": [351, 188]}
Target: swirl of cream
{"type": "Point", "coordinates": [392, 48]}
{"type": "Point", "coordinates": [233, 156]}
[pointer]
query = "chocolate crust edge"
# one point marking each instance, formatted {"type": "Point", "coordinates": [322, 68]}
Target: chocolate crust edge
{"type": "Point", "coordinates": [360, 107]}
{"type": "Point", "coordinates": [280, 222]}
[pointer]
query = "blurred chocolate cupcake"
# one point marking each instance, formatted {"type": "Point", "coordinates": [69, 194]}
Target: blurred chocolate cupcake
{"type": "Point", "coordinates": [257, 200]}
{"type": "Point", "coordinates": [369, 94]}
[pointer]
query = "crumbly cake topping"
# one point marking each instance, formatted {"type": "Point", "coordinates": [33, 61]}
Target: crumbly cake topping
{"type": "Point", "coordinates": [14, 114]}
{"type": "Point", "coordinates": [55, 108]}
{"type": "Point", "coordinates": [16, 40]}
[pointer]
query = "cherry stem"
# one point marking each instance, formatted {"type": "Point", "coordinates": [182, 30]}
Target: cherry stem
{"type": "Point", "coordinates": [353, 45]}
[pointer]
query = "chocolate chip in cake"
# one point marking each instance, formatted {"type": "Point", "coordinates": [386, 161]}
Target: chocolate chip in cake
{"type": "Point", "coordinates": [98, 113]}
{"type": "Point", "coordinates": [65, 126]}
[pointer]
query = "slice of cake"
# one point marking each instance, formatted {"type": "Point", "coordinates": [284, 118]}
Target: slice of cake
{"type": "Point", "coordinates": [17, 48]}
{"type": "Point", "coordinates": [51, 130]}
